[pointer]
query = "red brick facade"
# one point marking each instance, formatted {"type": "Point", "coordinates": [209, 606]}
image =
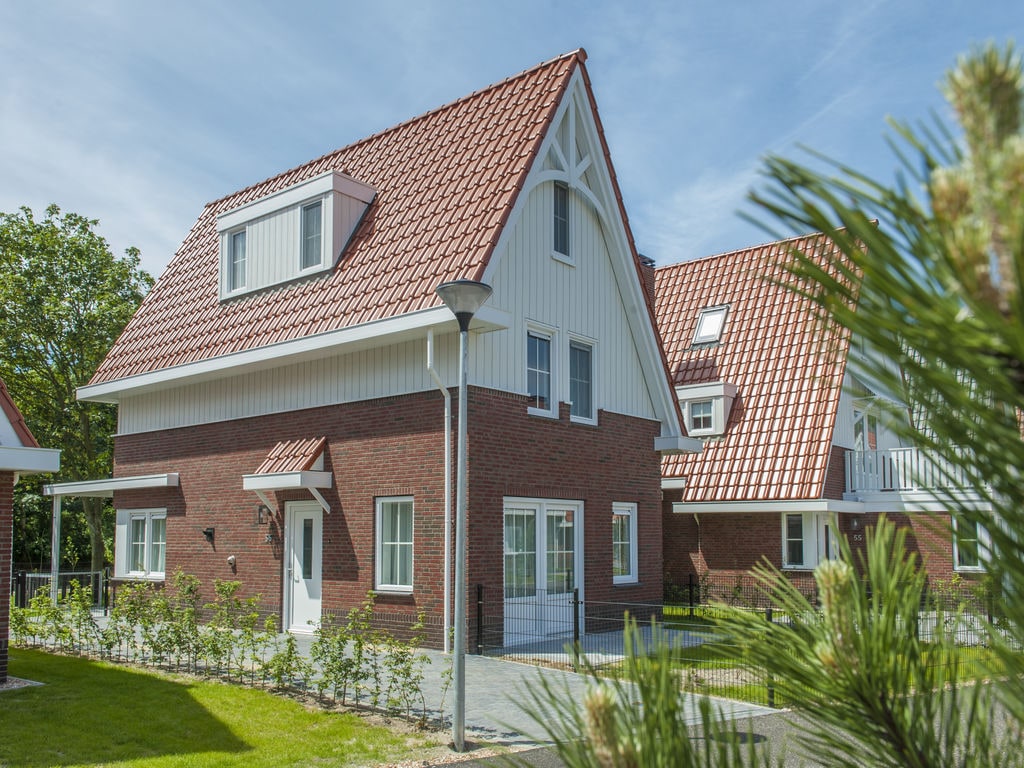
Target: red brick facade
{"type": "Point", "coordinates": [6, 550]}
{"type": "Point", "coordinates": [390, 447]}
{"type": "Point", "coordinates": [728, 546]}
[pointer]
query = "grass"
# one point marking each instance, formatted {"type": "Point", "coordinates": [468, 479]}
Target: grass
{"type": "Point", "coordinates": [92, 713]}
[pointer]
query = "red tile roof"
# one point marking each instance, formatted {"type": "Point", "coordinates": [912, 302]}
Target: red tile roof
{"type": "Point", "coordinates": [17, 421]}
{"type": "Point", "coordinates": [787, 363]}
{"type": "Point", "coordinates": [292, 456]}
{"type": "Point", "coordinates": [445, 181]}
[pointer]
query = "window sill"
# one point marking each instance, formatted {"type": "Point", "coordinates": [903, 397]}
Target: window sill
{"type": "Point", "coordinates": [542, 413]}
{"type": "Point", "coordinates": [624, 582]}
{"type": "Point", "coordinates": [569, 261]}
{"type": "Point", "coordinates": [140, 576]}
{"type": "Point", "coordinates": [801, 568]}
{"type": "Point", "coordinates": [584, 421]}
{"type": "Point", "coordinates": [403, 591]}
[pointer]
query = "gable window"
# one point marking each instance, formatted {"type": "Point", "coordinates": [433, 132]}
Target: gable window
{"type": "Point", "coordinates": [394, 544]}
{"type": "Point", "coordinates": [710, 324]}
{"type": "Point", "coordinates": [236, 264]}
{"type": "Point", "coordinates": [312, 235]}
{"type": "Point", "coordinates": [538, 371]}
{"type": "Point", "coordinates": [969, 540]}
{"type": "Point", "coordinates": [624, 544]}
{"type": "Point", "coordinates": [702, 416]}
{"type": "Point", "coordinates": [140, 548]}
{"type": "Point", "coordinates": [561, 219]}
{"type": "Point", "coordinates": [581, 380]}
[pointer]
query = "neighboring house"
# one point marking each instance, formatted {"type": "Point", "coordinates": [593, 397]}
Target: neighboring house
{"type": "Point", "coordinates": [19, 454]}
{"type": "Point", "coordinates": [284, 391]}
{"type": "Point", "coordinates": [798, 441]}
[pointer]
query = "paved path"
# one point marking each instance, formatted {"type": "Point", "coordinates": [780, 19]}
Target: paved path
{"type": "Point", "coordinates": [493, 686]}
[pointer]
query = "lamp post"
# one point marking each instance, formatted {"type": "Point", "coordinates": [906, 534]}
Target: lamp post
{"type": "Point", "coordinates": [463, 298]}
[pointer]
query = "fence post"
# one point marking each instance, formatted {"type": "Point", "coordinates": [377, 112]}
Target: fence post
{"type": "Point", "coordinates": [479, 618]}
{"type": "Point", "coordinates": [771, 680]}
{"type": "Point", "coordinates": [690, 584]}
{"type": "Point", "coordinates": [575, 629]}
{"type": "Point", "coordinates": [19, 589]}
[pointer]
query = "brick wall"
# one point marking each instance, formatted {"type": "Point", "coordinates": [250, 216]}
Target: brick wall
{"type": "Point", "coordinates": [6, 549]}
{"type": "Point", "coordinates": [835, 476]}
{"type": "Point", "coordinates": [389, 447]}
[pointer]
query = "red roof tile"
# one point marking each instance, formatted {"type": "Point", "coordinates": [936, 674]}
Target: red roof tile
{"type": "Point", "coordinates": [292, 456]}
{"type": "Point", "coordinates": [786, 362]}
{"type": "Point", "coordinates": [445, 183]}
{"type": "Point", "coordinates": [17, 421]}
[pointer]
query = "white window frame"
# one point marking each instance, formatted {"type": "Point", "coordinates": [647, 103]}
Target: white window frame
{"type": "Point", "coordinates": [692, 427]}
{"type": "Point", "coordinates": [378, 578]}
{"type": "Point", "coordinates": [319, 263]}
{"type": "Point", "coordinates": [626, 509]}
{"type": "Point", "coordinates": [591, 347]}
{"type": "Point", "coordinates": [710, 324]}
{"type": "Point", "coordinates": [123, 543]}
{"type": "Point", "coordinates": [234, 287]}
{"type": "Point", "coordinates": [813, 538]}
{"type": "Point", "coordinates": [982, 546]}
{"type": "Point", "coordinates": [552, 339]}
{"type": "Point", "coordinates": [561, 224]}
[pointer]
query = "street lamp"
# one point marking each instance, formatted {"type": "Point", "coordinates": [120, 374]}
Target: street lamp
{"type": "Point", "coordinates": [464, 298]}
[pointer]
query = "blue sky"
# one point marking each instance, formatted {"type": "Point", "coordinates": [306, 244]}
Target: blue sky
{"type": "Point", "coordinates": [137, 113]}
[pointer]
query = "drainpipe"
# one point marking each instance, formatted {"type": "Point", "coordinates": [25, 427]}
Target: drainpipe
{"type": "Point", "coordinates": [447, 490]}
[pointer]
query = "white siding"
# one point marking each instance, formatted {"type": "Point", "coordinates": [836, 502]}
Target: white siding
{"type": "Point", "coordinates": [363, 375]}
{"type": "Point", "coordinates": [581, 300]}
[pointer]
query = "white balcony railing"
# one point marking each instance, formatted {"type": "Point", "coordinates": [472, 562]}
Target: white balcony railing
{"type": "Point", "coordinates": [901, 469]}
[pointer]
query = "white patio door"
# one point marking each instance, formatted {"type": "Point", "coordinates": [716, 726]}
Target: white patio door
{"type": "Point", "coordinates": [542, 565]}
{"type": "Point", "coordinates": [303, 556]}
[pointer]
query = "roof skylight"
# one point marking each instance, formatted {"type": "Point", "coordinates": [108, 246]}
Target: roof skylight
{"type": "Point", "coordinates": [710, 324]}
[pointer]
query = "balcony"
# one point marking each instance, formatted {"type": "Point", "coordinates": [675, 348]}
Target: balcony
{"type": "Point", "coordinates": [901, 469]}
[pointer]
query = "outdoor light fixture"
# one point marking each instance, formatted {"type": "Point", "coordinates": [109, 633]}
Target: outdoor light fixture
{"type": "Point", "coordinates": [208, 533]}
{"type": "Point", "coordinates": [262, 514]}
{"type": "Point", "coordinates": [463, 298]}
{"type": "Point", "coordinates": [854, 523]}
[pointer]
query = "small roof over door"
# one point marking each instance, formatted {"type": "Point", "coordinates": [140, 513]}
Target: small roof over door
{"type": "Point", "coordinates": [291, 464]}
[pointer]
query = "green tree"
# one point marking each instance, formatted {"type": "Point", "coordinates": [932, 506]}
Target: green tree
{"type": "Point", "coordinates": [64, 298]}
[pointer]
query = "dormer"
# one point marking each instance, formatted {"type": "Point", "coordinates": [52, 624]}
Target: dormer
{"type": "Point", "coordinates": [296, 232]}
{"type": "Point", "coordinates": [706, 407]}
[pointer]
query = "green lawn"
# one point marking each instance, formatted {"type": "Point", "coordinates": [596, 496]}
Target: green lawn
{"type": "Point", "coordinates": [92, 713]}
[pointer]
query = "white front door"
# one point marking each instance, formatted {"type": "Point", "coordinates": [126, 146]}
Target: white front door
{"type": "Point", "coordinates": [302, 559]}
{"type": "Point", "coordinates": [542, 564]}
{"type": "Point", "coordinates": [828, 546]}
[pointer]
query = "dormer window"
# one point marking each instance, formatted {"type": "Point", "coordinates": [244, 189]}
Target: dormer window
{"type": "Point", "coordinates": [710, 324]}
{"type": "Point", "coordinates": [293, 233]}
{"type": "Point", "coordinates": [312, 235]}
{"type": "Point", "coordinates": [706, 407]}
{"type": "Point", "coordinates": [236, 271]}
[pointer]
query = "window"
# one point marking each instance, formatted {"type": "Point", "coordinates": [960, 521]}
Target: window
{"type": "Point", "coordinates": [581, 380]}
{"type": "Point", "coordinates": [969, 541]}
{"type": "Point", "coordinates": [236, 267]}
{"type": "Point", "coordinates": [561, 219]}
{"type": "Point", "coordinates": [794, 544]}
{"type": "Point", "coordinates": [312, 235]}
{"type": "Point", "coordinates": [624, 544]}
{"type": "Point", "coordinates": [702, 416]}
{"type": "Point", "coordinates": [710, 324]}
{"type": "Point", "coordinates": [394, 544]}
{"type": "Point", "coordinates": [538, 371]}
{"type": "Point", "coordinates": [865, 431]}
{"type": "Point", "coordinates": [808, 538]}
{"type": "Point", "coordinates": [141, 543]}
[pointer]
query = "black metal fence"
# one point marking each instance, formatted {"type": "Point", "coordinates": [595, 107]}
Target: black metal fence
{"type": "Point", "coordinates": [562, 630]}
{"type": "Point", "coordinates": [28, 583]}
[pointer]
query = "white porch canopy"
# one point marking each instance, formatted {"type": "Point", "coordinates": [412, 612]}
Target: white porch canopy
{"type": "Point", "coordinates": [291, 464]}
{"type": "Point", "coordinates": [93, 488]}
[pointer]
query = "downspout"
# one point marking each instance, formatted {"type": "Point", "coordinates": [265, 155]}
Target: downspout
{"type": "Point", "coordinates": [447, 490]}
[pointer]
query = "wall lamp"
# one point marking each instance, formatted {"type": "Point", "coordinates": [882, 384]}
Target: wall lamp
{"type": "Point", "coordinates": [262, 514]}
{"type": "Point", "coordinates": [208, 533]}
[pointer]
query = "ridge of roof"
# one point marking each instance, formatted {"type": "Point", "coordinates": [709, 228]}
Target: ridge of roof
{"type": "Point", "coordinates": [579, 53]}
{"type": "Point", "coordinates": [14, 416]}
{"type": "Point", "coordinates": [772, 245]}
